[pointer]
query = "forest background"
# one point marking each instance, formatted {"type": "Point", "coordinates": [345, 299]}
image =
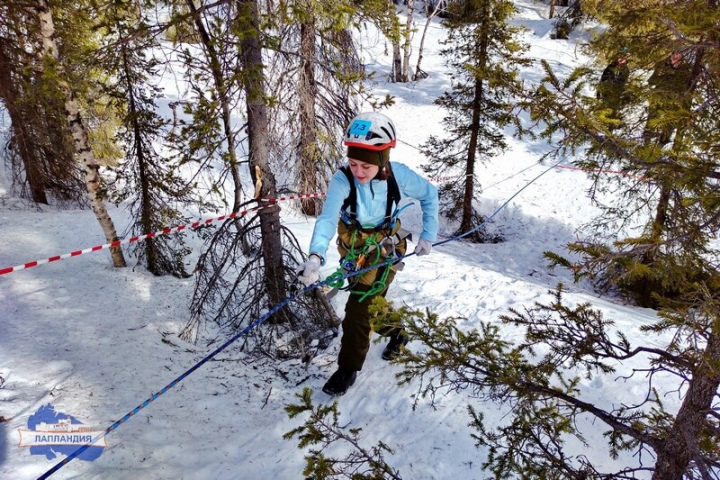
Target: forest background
{"type": "Point", "coordinates": [179, 110]}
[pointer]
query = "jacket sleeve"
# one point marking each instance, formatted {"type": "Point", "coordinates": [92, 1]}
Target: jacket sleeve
{"type": "Point", "coordinates": [326, 224]}
{"type": "Point", "coordinates": [413, 185]}
{"type": "Point", "coordinates": [607, 74]}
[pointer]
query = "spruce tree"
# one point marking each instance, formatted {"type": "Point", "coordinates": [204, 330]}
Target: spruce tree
{"type": "Point", "coordinates": [322, 429]}
{"type": "Point", "coordinates": [534, 375]}
{"type": "Point", "coordinates": [319, 88]}
{"type": "Point", "coordinates": [149, 182]}
{"type": "Point", "coordinates": [314, 92]}
{"type": "Point", "coordinates": [484, 52]}
{"type": "Point", "coordinates": [40, 152]}
{"type": "Point", "coordinates": [665, 143]}
{"type": "Point", "coordinates": [253, 80]}
{"type": "Point", "coordinates": [248, 264]}
{"type": "Point", "coordinates": [209, 131]}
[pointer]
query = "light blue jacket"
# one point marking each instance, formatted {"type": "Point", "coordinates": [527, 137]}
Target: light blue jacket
{"type": "Point", "coordinates": [371, 204]}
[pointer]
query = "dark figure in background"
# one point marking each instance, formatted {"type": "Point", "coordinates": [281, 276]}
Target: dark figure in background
{"type": "Point", "coordinates": [670, 97]}
{"type": "Point", "coordinates": [611, 89]}
{"type": "Point", "coordinates": [615, 75]}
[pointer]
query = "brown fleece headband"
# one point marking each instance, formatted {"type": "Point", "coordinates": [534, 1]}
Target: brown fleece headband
{"type": "Point", "coordinates": [373, 157]}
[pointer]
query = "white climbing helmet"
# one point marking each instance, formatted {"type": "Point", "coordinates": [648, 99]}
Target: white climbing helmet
{"type": "Point", "coordinates": [371, 131]}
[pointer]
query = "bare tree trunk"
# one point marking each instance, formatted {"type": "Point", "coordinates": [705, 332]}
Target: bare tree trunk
{"type": "Point", "coordinates": [407, 47]}
{"type": "Point", "coordinates": [552, 9]}
{"type": "Point", "coordinates": [680, 447]}
{"type": "Point", "coordinates": [221, 88]}
{"type": "Point", "coordinates": [145, 203]}
{"type": "Point", "coordinates": [467, 222]}
{"type": "Point", "coordinates": [309, 166]}
{"type": "Point", "coordinates": [482, 59]}
{"type": "Point", "coordinates": [257, 115]}
{"type": "Point", "coordinates": [418, 71]}
{"type": "Point", "coordinates": [397, 57]}
{"type": "Point", "coordinates": [79, 133]}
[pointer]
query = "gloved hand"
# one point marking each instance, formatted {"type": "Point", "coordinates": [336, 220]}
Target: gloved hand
{"type": "Point", "coordinates": [310, 271]}
{"type": "Point", "coordinates": [423, 247]}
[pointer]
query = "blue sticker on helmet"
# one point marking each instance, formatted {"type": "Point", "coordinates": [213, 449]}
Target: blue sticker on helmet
{"type": "Point", "coordinates": [360, 128]}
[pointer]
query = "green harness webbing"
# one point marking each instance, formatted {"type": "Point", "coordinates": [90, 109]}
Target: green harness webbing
{"type": "Point", "coordinates": [354, 260]}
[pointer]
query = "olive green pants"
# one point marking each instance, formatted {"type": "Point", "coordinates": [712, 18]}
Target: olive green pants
{"type": "Point", "coordinates": [357, 330]}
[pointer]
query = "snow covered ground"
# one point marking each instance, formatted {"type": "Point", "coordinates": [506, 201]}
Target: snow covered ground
{"type": "Point", "coordinates": [95, 342]}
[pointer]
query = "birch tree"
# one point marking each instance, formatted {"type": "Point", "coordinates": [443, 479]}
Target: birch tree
{"type": "Point", "coordinates": [79, 131]}
{"type": "Point", "coordinates": [407, 36]}
{"type": "Point", "coordinates": [431, 13]}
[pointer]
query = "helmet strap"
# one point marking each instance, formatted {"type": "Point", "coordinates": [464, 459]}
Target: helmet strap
{"type": "Point", "coordinates": [383, 173]}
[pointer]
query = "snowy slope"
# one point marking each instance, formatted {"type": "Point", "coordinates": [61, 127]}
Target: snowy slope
{"type": "Point", "coordinates": [96, 342]}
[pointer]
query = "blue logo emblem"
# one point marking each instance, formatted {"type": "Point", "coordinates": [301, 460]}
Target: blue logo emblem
{"type": "Point", "coordinates": [50, 433]}
{"type": "Point", "coordinates": [360, 128]}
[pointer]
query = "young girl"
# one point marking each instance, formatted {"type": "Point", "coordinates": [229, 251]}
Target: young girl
{"type": "Point", "coordinates": [361, 203]}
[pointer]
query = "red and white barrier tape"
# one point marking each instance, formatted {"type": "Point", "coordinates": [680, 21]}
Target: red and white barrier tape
{"type": "Point", "coordinates": [567, 167]}
{"type": "Point", "coordinates": [117, 243]}
{"type": "Point", "coordinates": [166, 231]}
{"type": "Point", "coordinates": [293, 197]}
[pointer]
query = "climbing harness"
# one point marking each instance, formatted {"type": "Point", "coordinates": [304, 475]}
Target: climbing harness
{"type": "Point", "coordinates": [393, 198]}
{"type": "Point", "coordinates": [371, 253]}
{"type": "Point", "coordinates": [377, 246]}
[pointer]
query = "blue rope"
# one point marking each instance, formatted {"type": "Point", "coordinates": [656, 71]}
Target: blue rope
{"type": "Point", "coordinates": [457, 237]}
{"type": "Point", "coordinates": [255, 324]}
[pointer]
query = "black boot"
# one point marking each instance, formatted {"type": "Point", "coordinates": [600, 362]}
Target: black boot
{"type": "Point", "coordinates": [392, 350]}
{"type": "Point", "coordinates": [339, 382]}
